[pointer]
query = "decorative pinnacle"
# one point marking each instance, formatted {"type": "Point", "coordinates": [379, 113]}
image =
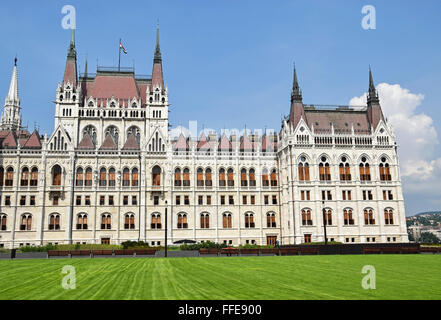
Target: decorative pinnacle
{"type": "Point", "coordinates": [296, 94]}
{"type": "Point", "coordinates": [158, 57]}
{"type": "Point", "coordinates": [373, 95]}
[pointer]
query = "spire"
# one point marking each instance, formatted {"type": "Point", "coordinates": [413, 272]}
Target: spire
{"type": "Point", "coordinates": [11, 117]}
{"type": "Point", "coordinates": [70, 72]}
{"type": "Point", "coordinates": [13, 87]}
{"type": "Point", "coordinates": [296, 94]}
{"type": "Point", "coordinates": [157, 76]}
{"type": "Point", "coordinates": [85, 70]}
{"type": "Point", "coordinates": [372, 96]}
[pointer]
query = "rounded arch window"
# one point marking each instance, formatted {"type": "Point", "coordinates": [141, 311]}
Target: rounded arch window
{"type": "Point", "coordinates": [324, 169]}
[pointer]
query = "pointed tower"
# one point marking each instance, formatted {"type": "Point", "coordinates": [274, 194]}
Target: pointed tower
{"type": "Point", "coordinates": [297, 111]}
{"type": "Point", "coordinates": [70, 71]}
{"type": "Point", "coordinates": [374, 111]}
{"type": "Point", "coordinates": [11, 117]}
{"type": "Point", "coordinates": [157, 76]}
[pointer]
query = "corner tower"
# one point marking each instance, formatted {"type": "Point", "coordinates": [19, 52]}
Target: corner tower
{"type": "Point", "coordinates": [11, 117]}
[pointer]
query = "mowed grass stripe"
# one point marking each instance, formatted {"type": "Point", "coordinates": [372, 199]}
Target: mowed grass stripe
{"type": "Point", "coordinates": [297, 277]}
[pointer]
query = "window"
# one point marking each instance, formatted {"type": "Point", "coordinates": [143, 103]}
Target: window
{"type": "Point", "coordinates": [306, 217]}
{"type": "Point", "coordinates": [230, 177]}
{"type": "Point", "coordinates": [3, 220]}
{"type": "Point", "coordinates": [156, 176]}
{"type": "Point", "coordinates": [79, 177]}
{"type": "Point", "coordinates": [82, 221]}
{"type": "Point", "coordinates": [54, 222]}
{"type": "Point", "coordinates": [346, 195]}
{"type": "Point", "coordinates": [186, 200]}
{"type": "Point", "coordinates": [111, 177]}
{"type": "Point", "coordinates": [243, 178]}
{"type": "Point", "coordinates": [178, 181]}
{"type": "Point", "coordinates": [156, 221]}
{"type": "Point", "coordinates": [388, 216]}
{"type": "Point", "coordinates": [244, 199]}
{"type": "Point", "coordinates": [252, 199]}
{"type": "Point", "coordinates": [205, 221]}
{"type": "Point", "coordinates": [231, 200]}
{"type": "Point", "coordinates": [227, 221]}
{"type": "Point", "coordinates": [56, 175]}
{"type": "Point", "coordinates": [303, 169]}
{"type": "Point", "coordinates": [200, 177]}
{"type": "Point", "coordinates": [135, 177]}
{"type": "Point", "coordinates": [156, 200]}
{"type": "Point", "coordinates": [126, 177]}
{"type": "Point", "coordinates": [32, 201]}
{"type": "Point", "coordinates": [252, 176]}
{"type": "Point", "coordinates": [103, 177]}
{"type": "Point", "coordinates": [347, 217]}
{"type": "Point", "coordinates": [271, 220]}
{"type": "Point", "coordinates": [88, 180]}
{"type": "Point", "coordinates": [129, 221]}
{"type": "Point", "coordinates": [249, 220]}
{"type": "Point", "coordinates": [328, 217]}
{"type": "Point", "coordinates": [222, 177]}
{"type": "Point", "coordinates": [367, 195]}
{"type": "Point", "coordinates": [2, 176]}
{"type": "Point", "coordinates": [369, 217]}
{"type": "Point", "coordinates": [178, 200]}
{"type": "Point", "coordinates": [87, 200]}
{"type": "Point", "coordinates": [324, 170]}
{"type": "Point", "coordinates": [365, 172]}
{"type": "Point", "coordinates": [26, 222]}
{"type": "Point", "coordinates": [265, 180]}
{"type": "Point", "coordinates": [24, 181]}
{"type": "Point", "coordinates": [274, 199]}
{"type": "Point", "coordinates": [111, 202]}
{"type": "Point", "coordinates": [23, 200]}
{"type": "Point", "coordinates": [385, 170]}
{"type": "Point", "coordinates": [209, 200]}
{"type": "Point", "coordinates": [273, 178]}
{"type": "Point", "coordinates": [55, 200]}
{"type": "Point", "coordinates": [102, 199]}
{"type": "Point", "coordinates": [182, 221]}
{"type": "Point", "coordinates": [344, 170]}
{"type": "Point", "coordinates": [134, 201]}
{"type": "Point", "coordinates": [78, 201]}
{"type": "Point", "coordinates": [106, 222]}
{"type": "Point", "coordinates": [34, 177]}
{"type": "Point", "coordinates": [307, 238]}
{"type": "Point", "coordinates": [7, 200]}
{"type": "Point", "coordinates": [9, 177]}
{"type": "Point", "coordinates": [222, 200]}
{"type": "Point", "coordinates": [326, 195]}
{"type": "Point", "coordinates": [125, 200]}
{"type": "Point", "coordinates": [266, 199]}
{"type": "Point", "coordinates": [200, 200]}
{"type": "Point", "coordinates": [208, 178]}
{"type": "Point", "coordinates": [186, 181]}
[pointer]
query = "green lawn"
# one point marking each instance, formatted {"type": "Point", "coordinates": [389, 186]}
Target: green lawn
{"type": "Point", "coordinates": [296, 277]}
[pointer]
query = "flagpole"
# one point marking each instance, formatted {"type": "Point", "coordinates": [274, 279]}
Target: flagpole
{"type": "Point", "coordinates": [119, 54]}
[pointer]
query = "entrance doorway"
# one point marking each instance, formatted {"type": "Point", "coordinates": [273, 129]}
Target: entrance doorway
{"type": "Point", "coordinates": [105, 240]}
{"type": "Point", "coordinates": [271, 240]}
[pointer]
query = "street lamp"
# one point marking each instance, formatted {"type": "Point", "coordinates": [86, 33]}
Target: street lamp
{"type": "Point", "coordinates": [324, 222]}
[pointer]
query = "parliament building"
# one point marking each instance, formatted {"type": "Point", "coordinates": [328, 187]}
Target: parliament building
{"type": "Point", "coordinates": [111, 170]}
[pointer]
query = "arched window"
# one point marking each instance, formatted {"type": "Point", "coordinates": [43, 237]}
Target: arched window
{"type": "Point", "coordinates": [328, 217]}
{"type": "Point", "coordinates": [205, 221]}
{"type": "Point", "coordinates": [34, 177]}
{"type": "Point", "coordinates": [26, 222]}
{"type": "Point", "coordinates": [243, 177]}
{"type": "Point", "coordinates": [82, 221]}
{"type": "Point", "coordinates": [273, 178]}
{"type": "Point", "coordinates": [92, 133]}
{"type": "Point", "coordinates": [54, 222]}
{"type": "Point", "coordinates": [227, 221]}
{"type": "Point", "coordinates": [182, 221]}
{"type": "Point", "coordinates": [113, 131]}
{"type": "Point", "coordinates": [3, 220]}
{"type": "Point", "coordinates": [365, 172]}
{"type": "Point", "coordinates": [111, 177]}
{"type": "Point", "coordinates": [345, 170]}
{"type": "Point", "coordinates": [126, 177]}
{"type": "Point", "coordinates": [136, 133]}
{"type": "Point", "coordinates": [208, 178]}
{"type": "Point", "coordinates": [200, 177]}
{"type": "Point", "coordinates": [106, 221]}
{"type": "Point", "coordinates": [178, 179]}
{"type": "Point", "coordinates": [156, 221]}
{"type": "Point", "coordinates": [369, 217]}
{"type": "Point", "coordinates": [385, 170]}
{"type": "Point", "coordinates": [265, 179]}
{"type": "Point", "coordinates": [186, 181]}
{"type": "Point", "coordinates": [252, 177]}
{"type": "Point", "coordinates": [271, 220]}
{"type": "Point", "coordinates": [2, 176]}
{"type": "Point", "coordinates": [222, 180]}
{"type": "Point", "coordinates": [230, 177]}
{"type": "Point", "coordinates": [347, 216]}
{"type": "Point", "coordinates": [79, 177]}
{"type": "Point", "coordinates": [24, 181]}
{"type": "Point", "coordinates": [135, 177]}
{"type": "Point", "coordinates": [56, 175]}
{"type": "Point", "coordinates": [156, 176]}
{"type": "Point", "coordinates": [249, 220]}
{"type": "Point", "coordinates": [306, 217]}
{"type": "Point", "coordinates": [9, 177]}
{"type": "Point", "coordinates": [388, 216]}
{"type": "Point", "coordinates": [324, 169]}
{"type": "Point", "coordinates": [303, 169]}
{"type": "Point", "coordinates": [129, 221]}
{"type": "Point", "coordinates": [103, 177]}
{"type": "Point", "coordinates": [88, 180]}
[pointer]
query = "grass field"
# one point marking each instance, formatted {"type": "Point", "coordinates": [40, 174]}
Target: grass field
{"type": "Point", "coordinates": [297, 277]}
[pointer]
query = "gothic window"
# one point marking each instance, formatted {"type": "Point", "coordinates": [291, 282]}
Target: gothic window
{"type": "Point", "coordinates": [205, 221]}
{"type": "Point", "coordinates": [273, 178]}
{"type": "Point", "coordinates": [249, 220]}
{"type": "Point", "coordinates": [34, 177]}
{"type": "Point", "coordinates": [344, 170]}
{"type": "Point", "coordinates": [306, 217]}
{"type": "Point", "coordinates": [156, 221]}
{"type": "Point", "coordinates": [324, 169]}
{"type": "Point", "coordinates": [90, 104]}
{"type": "Point", "coordinates": [88, 180]}
{"type": "Point", "coordinates": [2, 176]}
{"type": "Point", "coordinates": [129, 221]}
{"type": "Point", "coordinates": [227, 221]}
{"type": "Point", "coordinates": [113, 131]}
{"type": "Point", "coordinates": [385, 170]}
{"type": "Point", "coordinates": [26, 222]}
{"type": "Point", "coordinates": [79, 177]}
{"type": "Point", "coordinates": [252, 177]}
{"type": "Point", "coordinates": [136, 133]}
{"type": "Point", "coordinates": [126, 177]}
{"type": "Point", "coordinates": [347, 217]}
{"type": "Point", "coordinates": [388, 216]}
{"type": "Point", "coordinates": [24, 181]}
{"type": "Point", "coordinates": [103, 177]}
{"type": "Point", "coordinates": [106, 221]}
{"type": "Point", "coordinates": [111, 177]}
{"type": "Point", "coordinates": [303, 169]}
{"type": "Point", "coordinates": [200, 177]}
{"type": "Point", "coordinates": [365, 172]}
{"type": "Point", "coordinates": [186, 181]}
{"type": "Point", "coordinates": [56, 175]}
{"type": "Point", "coordinates": [208, 178]}
{"type": "Point", "coordinates": [135, 177]}
{"type": "Point", "coordinates": [9, 177]}
{"type": "Point", "coordinates": [3, 221]}
{"type": "Point", "coordinates": [222, 177]}
{"type": "Point", "coordinates": [368, 217]}
{"type": "Point", "coordinates": [265, 181]}
{"type": "Point", "coordinates": [92, 133]}
{"type": "Point", "coordinates": [243, 177]}
{"type": "Point", "coordinates": [54, 222]}
{"type": "Point", "coordinates": [182, 221]}
{"type": "Point", "coordinates": [82, 221]}
{"type": "Point", "coordinates": [178, 179]}
{"type": "Point", "coordinates": [156, 176]}
{"type": "Point", "coordinates": [271, 220]}
{"type": "Point", "coordinates": [230, 177]}
{"type": "Point", "coordinates": [328, 217]}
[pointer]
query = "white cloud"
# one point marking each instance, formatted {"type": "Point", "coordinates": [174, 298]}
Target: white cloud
{"type": "Point", "coordinates": [416, 135]}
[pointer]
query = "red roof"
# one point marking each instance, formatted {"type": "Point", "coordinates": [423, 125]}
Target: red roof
{"type": "Point", "coordinates": [9, 141]}
{"type": "Point", "coordinates": [33, 141]}
{"type": "Point", "coordinates": [245, 144]}
{"type": "Point", "coordinates": [224, 143]}
{"type": "Point", "coordinates": [108, 143]}
{"type": "Point", "coordinates": [203, 143]}
{"type": "Point", "coordinates": [131, 143]}
{"type": "Point", "coordinates": [342, 121]}
{"type": "Point", "coordinates": [70, 72]}
{"type": "Point", "coordinates": [86, 143]}
{"type": "Point", "coordinates": [157, 79]}
{"type": "Point", "coordinates": [118, 86]}
{"type": "Point", "coordinates": [181, 144]}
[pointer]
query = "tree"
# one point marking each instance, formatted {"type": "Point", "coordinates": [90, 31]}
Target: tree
{"type": "Point", "coordinates": [427, 237]}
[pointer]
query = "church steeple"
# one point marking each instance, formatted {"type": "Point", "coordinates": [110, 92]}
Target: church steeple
{"type": "Point", "coordinates": [297, 111]}
{"type": "Point", "coordinates": [296, 94]}
{"type": "Point", "coordinates": [157, 76]}
{"type": "Point", "coordinates": [373, 95]}
{"type": "Point", "coordinates": [70, 72]}
{"type": "Point", "coordinates": [11, 118]}
{"type": "Point", "coordinates": [374, 111]}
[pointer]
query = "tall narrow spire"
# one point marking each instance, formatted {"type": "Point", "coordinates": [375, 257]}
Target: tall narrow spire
{"type": "Point", "coordinates": [70, 72]}
{"type": "Point", "coordinates": [372, 95]}
{"type": "Point", "coordinates": [157, 76]}
{"type": "Point", "coordinates": [11, 117]}
{"type": "Point", "coordinates": [296, 94]}
{"type": "Point", "coordinates": [13, 87]}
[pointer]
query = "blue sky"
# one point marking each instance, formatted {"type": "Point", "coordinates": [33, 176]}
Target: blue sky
{"type": "Point", "coordinates": [229, 63]}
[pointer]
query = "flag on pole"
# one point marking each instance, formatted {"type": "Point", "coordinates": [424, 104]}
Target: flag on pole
{"type": "Point", "coordinates": [121, 47]}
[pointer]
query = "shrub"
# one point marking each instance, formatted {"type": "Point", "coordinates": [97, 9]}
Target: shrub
{"type": "Point", "coordinates": [134, 244]}
{"type": "Point", "coordinates": [203, 245]}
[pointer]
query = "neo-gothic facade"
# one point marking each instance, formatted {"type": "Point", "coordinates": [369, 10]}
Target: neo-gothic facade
{"type": "Point", "coordinates": [110, 170]}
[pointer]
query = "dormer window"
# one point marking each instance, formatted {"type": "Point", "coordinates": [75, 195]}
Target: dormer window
{"type": "Point", "coordinates": [61, 97]}
{"type": "Point", "coordinates": [90, 105]}
{"type": "Point", "coordinates": [112, 104]}
{"type": "Point", "coordinates": [134, 105]}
